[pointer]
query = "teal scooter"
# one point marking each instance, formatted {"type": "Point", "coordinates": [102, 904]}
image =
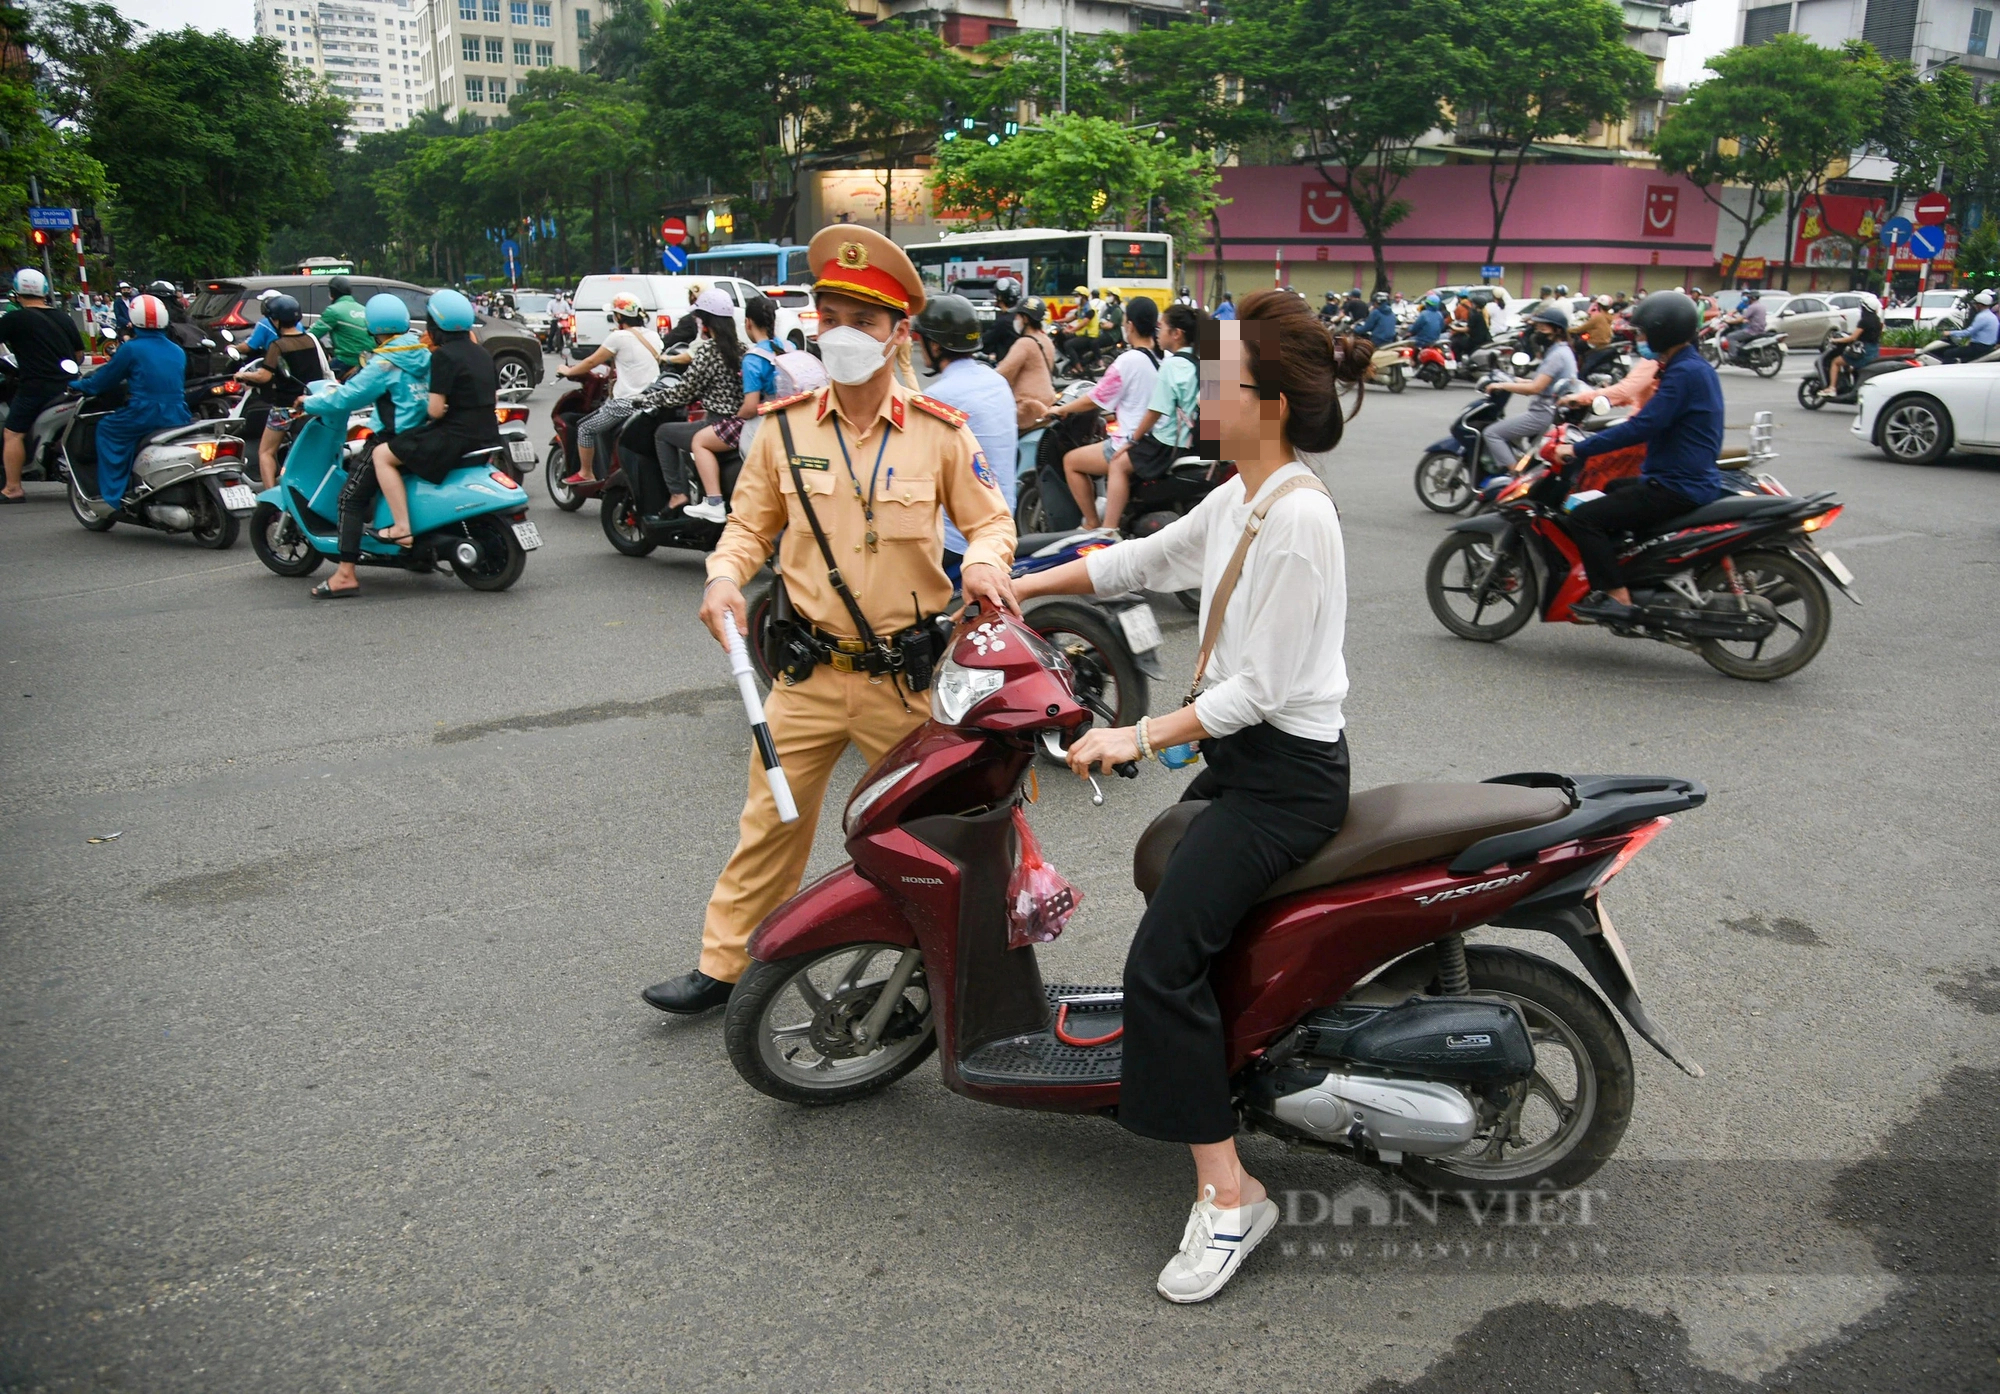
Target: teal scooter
{"type": "Point", "coordinates": [476, 522]}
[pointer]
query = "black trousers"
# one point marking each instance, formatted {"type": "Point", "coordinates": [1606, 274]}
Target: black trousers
{"type": "Point", "coordinates": [357, 506]}
{"type": "Point", "coordinates": [1628, 505]}
{"type": "Point", "coordinates": [1274, 800]}
{"type": "Point", "coordinates": [654, 455]}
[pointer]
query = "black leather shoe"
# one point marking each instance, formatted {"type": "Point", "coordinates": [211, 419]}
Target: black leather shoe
{"type": "Point", "coordinates": [688, 996]}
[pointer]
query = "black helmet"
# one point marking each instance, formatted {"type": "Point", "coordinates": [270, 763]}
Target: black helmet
{"type": "Point", "coordinates": [282, 309]}
{"type": "Point", "coordinates": [1667, 318]}
{"type": "Point", "coordinates": [1752, 294]}
{"type": "Point", "coordinates": [1006, 292]}
{"type": "Point", "coordinates": [949, 322]}
{"type": "Point", "coordinates": [1381, 297]}
{"type": "Point", "coordinates": [338, 287]}
{"type": "Point", "coordinates": [1033, 310]}
{"type": "Point", "coordinates": [1331, 296]}
{"type": "Point", "coordinates": [168, 292]}
{"type": "Point", "coordinates": [1553, 316]}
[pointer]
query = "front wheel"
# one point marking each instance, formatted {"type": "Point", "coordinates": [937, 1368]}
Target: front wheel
{"type": "Point", "coordinates": [81, 510]}
{"type": "Point", "coordinates": [1566, 1119]}
{"type": "Point", "coordinates": [790, 1028]}
{"type": "Point", "coordinates": [1476, 590]}
{"type": "Point", "coordinates": [1811, 396]}
{"type": "Point", "coordinates": [1804, 616]}
{"type": "Point", "coordinates": [554, 473]}
{"type": "Point", "coordinates": [502, 558]}
{"type": "Point", "coordinates": [1028, 514]}
{"type": "Point", "coordinates": [1915, 431]}
{"type": "Point", "coordinates": [1443, 483]}
{"type": "Point", "coordinates": [279, 544]}
{"type": "Point", "coordinates": [619, 516]}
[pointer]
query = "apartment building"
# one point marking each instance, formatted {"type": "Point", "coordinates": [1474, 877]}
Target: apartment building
{"type": "Point", "coordinates": [1929, 33]}
{"type": "Point", "coordinates": [474, 53]}
{"type": "Point", "coordinates": [367, 50]}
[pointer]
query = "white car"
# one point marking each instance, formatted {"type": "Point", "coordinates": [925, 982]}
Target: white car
{"type": "Point", "coordinates": [1934, 309]}
{"type": "Point", "coordinates": [1918, 416]}
{"type": "Point", "coordinates": [665, 298]}
{"type": "Point", "coordinates": [798, 320]}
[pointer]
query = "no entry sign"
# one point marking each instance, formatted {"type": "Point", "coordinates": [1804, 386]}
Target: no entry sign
{"type": "Point", "coordinates": [673, 232]}
{"type": "Point", "coordinates": [1932, 209]}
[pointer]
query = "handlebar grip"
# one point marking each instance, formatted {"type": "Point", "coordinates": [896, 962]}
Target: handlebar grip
{"type": "Point", "coordinates": [1127, 769]}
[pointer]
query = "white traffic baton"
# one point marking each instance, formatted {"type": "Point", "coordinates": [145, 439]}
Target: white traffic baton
{"type": "Point", "coordinates": [753, 707]}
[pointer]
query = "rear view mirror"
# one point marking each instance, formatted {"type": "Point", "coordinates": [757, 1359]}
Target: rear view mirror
{"type": "Point", "coordinates": [227, 337]}
{"type": "Point", "coordinates": [1521, 360]}
{"type": "Point", "coordinates": [1601, 406]}
{"type": "Point", "coordinates": [68, 365]}
{"type": "Point", "coordinates": [208, 343]}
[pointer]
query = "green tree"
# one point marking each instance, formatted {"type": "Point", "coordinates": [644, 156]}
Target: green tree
{"type": "Point", "coordinates": [1027, 68]}
{"type": "Point", "coordinates": [211, 143]}
{"type": "Point", "coordinates": [911, 75]}
{"type": "Point", "coordinates": [1361, 81]}
{"type": "Point", "coordinates": [79, 45]}
{"type": "Point", "coordinates": [617, 50]}
{"type": "Point", "coordinates": [35, 151]}
{"type": "Point", "coordinates": [1529, 74]}
{"type": "Point", "coordinates": [1933, 129]}
{"type": "Point", "coordinates": [1729, 135]}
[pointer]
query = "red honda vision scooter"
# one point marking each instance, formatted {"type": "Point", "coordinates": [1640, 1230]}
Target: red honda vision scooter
{"type": "Point", "coordinates": [1356, 1016]}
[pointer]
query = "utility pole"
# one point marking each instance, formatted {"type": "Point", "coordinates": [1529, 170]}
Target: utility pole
{"type": "Point", "coordinates": [1062, 100]}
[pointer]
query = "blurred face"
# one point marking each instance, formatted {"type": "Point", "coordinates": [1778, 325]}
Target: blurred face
{"type": "Point", "coordinates": [1241, 423]}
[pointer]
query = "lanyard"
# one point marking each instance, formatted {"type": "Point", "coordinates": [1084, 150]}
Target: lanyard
{"type": "Point", "coordinates": [868, 503]}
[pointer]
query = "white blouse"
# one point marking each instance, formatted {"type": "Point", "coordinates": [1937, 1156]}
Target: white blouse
{"type": "Point", "coordinates": [1278, 658]}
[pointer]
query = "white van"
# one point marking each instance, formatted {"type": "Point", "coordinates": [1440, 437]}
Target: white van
{"type": "Point", "coordinates": [666, 298]}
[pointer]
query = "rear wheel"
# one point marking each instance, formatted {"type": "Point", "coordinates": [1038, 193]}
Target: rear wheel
{"type": "Point", "coordinates": [1397, 379]}
{"type": "Point", "coordinates": [1475, 591]}
{"type": "Point", "coordinates": [620, 517]}
{"type": "Point", "coordinates": [554, 472]}
{"type": "Point", "coordinates": [1804, 616]}
{"type": "Point", "coordinates": [1769, 362]}
{"type": "Point", "coordinates": [279, 544]}
{"type": "Point", "coordinates": [790, 1025]}
{"type": "Point", "coordinates": [513, 372]}
{"type": "Point", "coordinates": [218, 528]}
{"type": "Point", "coordinates": [1915, 431]}
{"type": "Point", "coordinates": [502, 559]}
{"type": "Point", "coordinates": [1028, 514]}
{"type": "Point", "coordinates": [1442, 482]}
{"type": "Point", "coordinates": [1566, 1119]}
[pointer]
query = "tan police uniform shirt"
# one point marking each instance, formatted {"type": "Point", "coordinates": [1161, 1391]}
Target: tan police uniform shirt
{"type": "Point", "coordinates": [931, 465]}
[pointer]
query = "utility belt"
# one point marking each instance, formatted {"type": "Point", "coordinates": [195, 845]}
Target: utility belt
{"type": "Point", "coordinates": [911, 655]}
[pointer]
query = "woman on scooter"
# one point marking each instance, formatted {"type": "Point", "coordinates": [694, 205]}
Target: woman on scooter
{"type": "Point", "coordinates": [714, 377]}
{"type": "Point", "coordinates": [464, 389]}
{"type": "Point", "coordinates": [292, 358]}
{"type": "Point", "coordinates": [400, 369]}
{"type": "Point", "coordinates": [1271, 732]}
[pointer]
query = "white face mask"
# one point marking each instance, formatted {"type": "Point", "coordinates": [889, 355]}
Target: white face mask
{"type": "Point", "coordinates": [851, 357]}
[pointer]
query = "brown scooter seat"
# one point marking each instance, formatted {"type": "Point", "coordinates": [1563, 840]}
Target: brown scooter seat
{"type": "Point", "coordinates": [1395, 825]}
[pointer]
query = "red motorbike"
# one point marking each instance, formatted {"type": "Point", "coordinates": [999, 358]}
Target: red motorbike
{"type": "Point", "coordinates": [1356, 1016]}
{"type": "Point", "coordinates": [1437, 364]}
{"type": "Point", "coordinates": [1738, 581]}
{"type": "Point", "coordinates": [580, 401]}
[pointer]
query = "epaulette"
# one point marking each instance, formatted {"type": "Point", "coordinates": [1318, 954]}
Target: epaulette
{"type": "Point", "coordinates": [950, 415]}
{"type": "Point", "coordinates": [768, 407]}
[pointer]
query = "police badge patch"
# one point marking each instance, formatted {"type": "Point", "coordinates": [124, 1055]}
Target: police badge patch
{"type": "Point", "coordinates": [983, 471]}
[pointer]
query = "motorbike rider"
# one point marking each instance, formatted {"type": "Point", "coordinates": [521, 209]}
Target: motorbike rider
{"type": "Point", "coordinates": [292, 359]}
{"type": "Point", "coordinates": [1428, 326]}
{"type": "Point", "coordinates": [1329, 310]}
{"type": "Point", "coordinates": [1750, 320]}
{"type": "Point", "coordinates": [155, 369]}
{"type": "Point", "coordinates": [1272, 733]}
{"type": "Point", "coordinates": [714, 377]}
{"type": "Point", "coordinates": [1474, 331]}
{"type": "Point", "coordinates": [398, 367]}
{"type": "Point", "coordinates": [884, 461]}
{"type": "Point", "coordinates": [1081, 322]}
{"type": "Point", "coordinates": [1166, 431]}
{"type": "Point", "coordinates": [343, 328]}
{"type": "Point", "coordinates": [1681, 428]}
{"type": "Point", "coordinates": [1000, 334]}
{"type": "Point", "coordinates": [1354, 309]}
{"type": "Point", "coordinates": [1124, 391]}
{"type": "Point", "coordinates": [1859, 346]}
{"type": "Point", "coordinates": [1597, 337]}
{"type": "Point", "coordinates": [121, 308]}
{"type": "Point", "coordinates": [947, 333]}
{"type": "Point", "coordinates": [463, 390]}
{"type": "Point", "coordinates": [1227, 308]}
{"type": "Point", "coordinates": [180, 328]}
{"type": "Point", "coordinates": [1549, 324]}
{"type": "Point", "coordinates": [1635, 389]}
{"type": "Point", "coordinates": [264, 331]}
{"type": "Point", "coordinates": [1380, 325]}
{"type": "Point", "coordinates": [41, 338]}
{"type": "Point", "coordinates": [1977, 339]}
{"type": "Point", "coordinates": [1029, 367]}
{"type": "Point", "coordinates": [635, 350]}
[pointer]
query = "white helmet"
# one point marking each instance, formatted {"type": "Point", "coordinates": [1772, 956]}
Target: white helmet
{"type": "Point", "coordinates": [1605, 301]}
{"type": "Point", "coordinates": [28, 281]}
{"type": "Point", "coordinates": [1985, 297]}
{"type": "Point", "coordinates": [148, 312]}
{"type": "Point", "coordinates": [1872, 301]}
{"type": "Point", "coordinates": [1680, 290]}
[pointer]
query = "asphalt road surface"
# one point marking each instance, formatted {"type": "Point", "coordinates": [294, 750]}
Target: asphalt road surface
{"type": "Point", "coordinates": [330, 1073]}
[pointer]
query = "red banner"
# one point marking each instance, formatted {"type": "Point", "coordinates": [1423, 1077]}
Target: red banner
{"type": "Point", "coordinates": [1322, 209]}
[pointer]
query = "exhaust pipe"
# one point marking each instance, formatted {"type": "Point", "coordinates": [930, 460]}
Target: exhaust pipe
{"type": "Point", "coordinates": [171, 516]}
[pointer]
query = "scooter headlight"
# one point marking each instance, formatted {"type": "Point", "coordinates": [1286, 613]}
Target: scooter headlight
{"type": "Point", "coordinates": [867, 798]}
{"type": "Point", "coordinates": [956, 690]}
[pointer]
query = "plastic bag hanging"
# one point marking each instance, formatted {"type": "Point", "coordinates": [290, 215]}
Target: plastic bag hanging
{"type": "Point", "coordinates": [1039, 900]}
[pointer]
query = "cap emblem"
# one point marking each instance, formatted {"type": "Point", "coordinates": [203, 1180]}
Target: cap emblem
{"type": "Point", "coordinates": [853, 256]}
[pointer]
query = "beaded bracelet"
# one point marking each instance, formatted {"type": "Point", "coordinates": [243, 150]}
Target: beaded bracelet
{"type": "Point", "coordinates": [1145, 740]}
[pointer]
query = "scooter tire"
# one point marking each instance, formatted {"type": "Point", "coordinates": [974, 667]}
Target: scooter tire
{"type": "Point", "coordinates": [620, 518]}
{"type": "Point", "coordinates": [755, 995]}
{"type": "Point", "coordinates": [1809, 394]}
{"type": "Point", "coordinates": [1541, 988]}
{"type": "Point", "coordinates": [223, 534]}
{"type": "Point", "coordinates": [268, 524]}
{"type": "Point", "coordinates": [1439, 500]}
{"type": "Point", "coordinates": [1398, 380]}
{"type": "Point", "coordinates": [1769, 362]}
{"type": "Point", "coordinates": [553, 473]}
{"type": "Point", "coordinates": [489, 574]}
{"type": "Point", "coordinates": [79, 508]}
{"type": "Point", "coordinates": [1438, 378]}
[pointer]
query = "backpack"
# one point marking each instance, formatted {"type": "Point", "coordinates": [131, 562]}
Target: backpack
{"type": "Point", "coordinates": [799, 371]}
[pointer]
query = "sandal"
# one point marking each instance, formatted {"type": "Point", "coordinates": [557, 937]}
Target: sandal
{"type": "Point", "coordinates": [325, 591]}
{"type": "Point", "coordinates": [407, 540]}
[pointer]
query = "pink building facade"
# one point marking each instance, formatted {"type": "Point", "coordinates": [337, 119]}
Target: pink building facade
{"type": "Point", "coordinates": [1590, 227]}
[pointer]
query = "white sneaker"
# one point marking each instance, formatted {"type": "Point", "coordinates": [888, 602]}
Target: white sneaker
{"type": "Point", "coordinates": [1214, 1246]}
{"type": "Point", "coordinates": [709, 512]}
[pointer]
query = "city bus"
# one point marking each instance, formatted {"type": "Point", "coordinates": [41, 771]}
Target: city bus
{"type": "Point", "coordinates": [761, 263]}
{"type": "Point", "coordinates": [1052, 263]}
{"type": "Point", "coordinates": [325, 266]}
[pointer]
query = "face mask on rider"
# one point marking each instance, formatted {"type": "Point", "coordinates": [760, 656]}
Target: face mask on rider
{"type": "Point", "coordinates": [1646, 351]}
{"type": "Point", "coordinates": [851, 357]}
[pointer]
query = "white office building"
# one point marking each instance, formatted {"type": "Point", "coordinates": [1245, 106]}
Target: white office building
{"type": "Point", "coordinates": [474, 53]}
{"type": "Point", "coordinates": [367, 50]}
{"type": "Point", "coordinates": [1929, 33]}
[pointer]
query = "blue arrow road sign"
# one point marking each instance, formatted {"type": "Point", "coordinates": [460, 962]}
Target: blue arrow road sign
{"type": "Point", "coordinates": [1927, 243]}
{"type": "Point", "coordinates": [1895, 230]}
{"type": "Point", "coordinates": [674, 258]}
{"type": "Point", "coordinates": [52, 219]}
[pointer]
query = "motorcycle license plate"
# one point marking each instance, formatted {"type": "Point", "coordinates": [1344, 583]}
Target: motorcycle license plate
{"type": "Point", "coordinates": [521, 452]}
{"type": "Point", "coordinates": [1838, 568]}
{"type": "Point", "coordinates": [526, 535]}
{"type": "Point", "coordinates": [238, 498]}
{"type": "Point", "coordinates": [1142, 631]}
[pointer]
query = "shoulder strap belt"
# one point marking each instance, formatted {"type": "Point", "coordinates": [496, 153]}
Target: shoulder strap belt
{"type": "Point", "coordinates": [833, 575]}
{"type": "Point", "coordinates": [1218, 603]}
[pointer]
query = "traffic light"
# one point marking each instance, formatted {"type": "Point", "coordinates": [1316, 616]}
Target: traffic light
{"type": "Point", "coordinates": [993, 125]}
{"type": "Point", "coordinates": [40, 237]}
{"type": "Point", "coordinates": [950, 121]}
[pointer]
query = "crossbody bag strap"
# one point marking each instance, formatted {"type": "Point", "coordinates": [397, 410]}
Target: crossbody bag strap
{"type": "Point", "coordinates": [833, 575]}
{"type": "Point", "coordinates": [1219, 603]}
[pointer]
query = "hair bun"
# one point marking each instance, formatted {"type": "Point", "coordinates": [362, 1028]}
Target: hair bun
{"type": "Point", "coordinates": [1352, 358]}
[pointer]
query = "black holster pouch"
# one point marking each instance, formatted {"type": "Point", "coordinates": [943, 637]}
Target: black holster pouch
{"type": "Point", "coordinates": [793, 652]}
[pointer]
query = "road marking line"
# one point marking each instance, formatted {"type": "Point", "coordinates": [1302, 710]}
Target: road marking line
{"type": "Point", "coordinates": [133, 585]}
{"type": "Point", "coordinates": [1874, 538]}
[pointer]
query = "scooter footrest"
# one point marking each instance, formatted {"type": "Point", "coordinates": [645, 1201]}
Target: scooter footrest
{"type": "Point", "coordinates": [1040, 1058]}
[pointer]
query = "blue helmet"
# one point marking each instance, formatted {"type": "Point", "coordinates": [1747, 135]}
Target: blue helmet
{"type": "Point", "coordinates": [282, 309]}
{"type": "Point", "coordinates": [387, 314]}
{"type": "Point", "coordinates": [450, 311]}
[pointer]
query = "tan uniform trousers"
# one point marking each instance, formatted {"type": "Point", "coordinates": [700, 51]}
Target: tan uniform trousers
{"type": "Point", "coordinates": [811, 723]}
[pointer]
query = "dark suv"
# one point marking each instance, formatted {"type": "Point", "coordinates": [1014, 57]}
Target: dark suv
{"type": "Point", "coordinates": [232, 304]}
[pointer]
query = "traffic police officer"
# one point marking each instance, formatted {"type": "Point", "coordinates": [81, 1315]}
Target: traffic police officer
{"type": "Point", "coordinates": [879, 464]}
